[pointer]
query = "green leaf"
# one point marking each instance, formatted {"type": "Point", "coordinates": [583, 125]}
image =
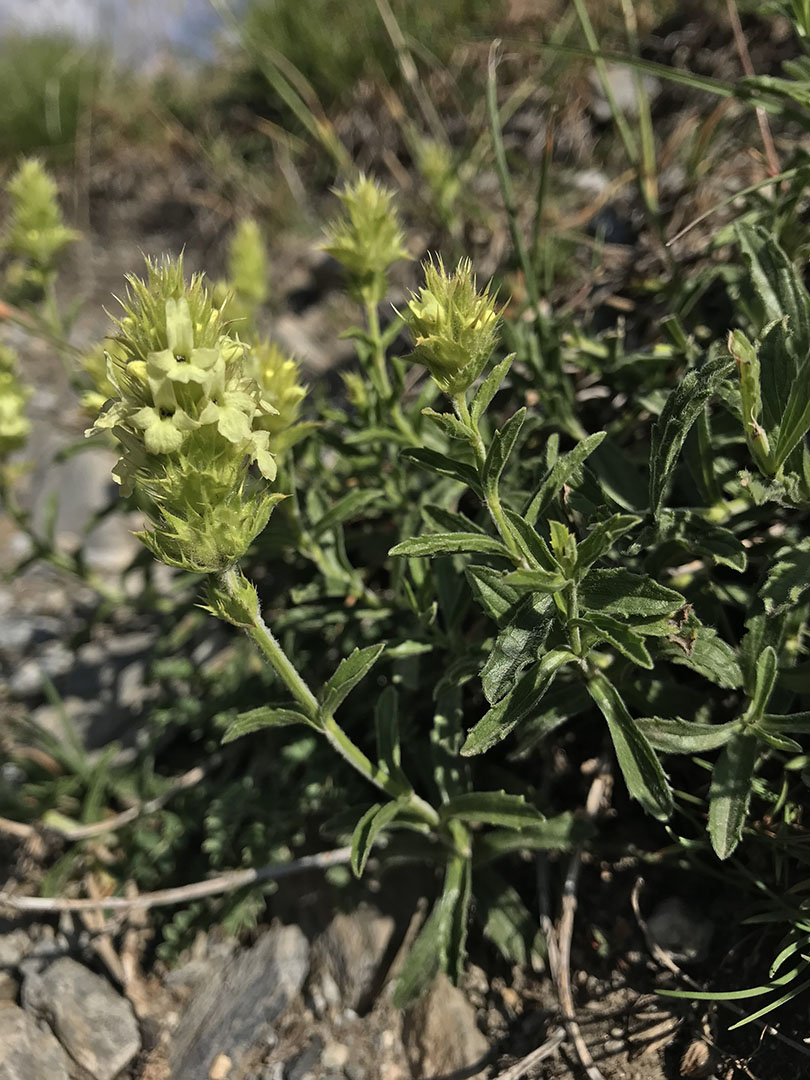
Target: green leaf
{"type": "Point", "coordinates": [777, 283]}
{"type": "Point", "coordinates": [788, 578]}
{"type": "Point", "coordinates": [489, 388]}
{"type": "Point", "coordinates": [560, 833]}
{"type": "Point", "coordinates": [263, 717]}
{"type": "Point", "coordinates": [448, 423]}
{"type": "Point", "coordinates": [434, 462]}
{"type": "Point", "coordinates": [640, 766]}
{"type": "Point", "coordinates": [765, 681]}
{"type": "Point", "coordinates": [348, 674]}
{"type": "Point", "coordinates": [621, 592]}
{"type": "Point", "coordinates": [601, 539]}
{"type": "Point", "coordinates": [496, 724]}
{"type": "Point", "coordinates": [344, 508]}
{"type": "Point", "coordinates": [517, 645]}
{"type": "Point", "coordinates": [683, 406]}
{"type": "Point", "coordinates": [505, 919]}
{"type": "Point", "coordinates": [796, 723]}
{"type": "Point", "coordinates": [427, 955]}
{"type": "Point", "coordinates": [672, 735]}
{"type": "Point", "coordinates": [796, 420]}
{"type": "Point", "coordinates": [386, 725]}
{"type": "Point", "coordinates": [730, 792]}
{"type": "Point", "coordinates": [491, 591]}
{"type": "Point", "coordinates": [369, 827]}
{"type": "Point", "coordinates": [501, 447]}
{"type": "Point", "coordinates": [700, 648]}
{"type": "Point", "coordinates": [532, 545]}
{"type": "Point", "coordinates": [536, 581]}
{"type": "Point", "coordinates": [559, 475]}
{"type": "Point", "coordinates": [619, 635]}
{"type": "Point", "coordinates": [450, 544]}
{"type": "Point", "coordinates": [778, 371]}
{"type": "Point", "coordinates": [444, 520]}
{"type": "Point", "coordinates": [491, 808]}
{"type": "Point", "coordinates": [376, 434]}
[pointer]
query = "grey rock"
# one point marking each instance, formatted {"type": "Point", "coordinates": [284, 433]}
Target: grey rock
{"type": "Point", "coordinates": [26, 1051]}
{"type": "Point", "coordinates": [14, 948]}
{"type": "Point", "coordinates": [233, 1012]}
{"type": "Point", "coordinates": [93, 1022]}
{"type": "Point", "coordinates": [303, 1064]}
{"type": "Point", "coordinates": [53, 660]}
{"type": "Point", "coordinates": [623, 88]}
{"type": "Point", "coordinates": [9, 988]}
{"type": "Point", "coordinates": [347, 958]}
{"type": "Point", "coordinates": [441, 1036]}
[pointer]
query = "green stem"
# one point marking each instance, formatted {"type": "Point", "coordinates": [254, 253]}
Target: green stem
{"type": "Point", "coordinates": [574, 635]}
{"type": "Point", "coordinates": [380, 369]}
{"type": "Point", "coordinates": [258, 630]}
{"type": "Point", "coordinates": [491, 496]}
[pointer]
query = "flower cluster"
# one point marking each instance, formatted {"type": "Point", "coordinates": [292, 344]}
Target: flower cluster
{"type": "Point", "coordinates": [246, 286]}
{"type": "Point", "coordinates": [36, 233]}
{"type": "Point", "coordinates": [367, 239]}
{"type": "Point", "coordinates": [14, 424]}
{"type": "Point", "coordinates": [279, 378]}
{"type": "Point", "coordinates": [455, 327]}
{"type": "Point", "coordinates": [187, 416]}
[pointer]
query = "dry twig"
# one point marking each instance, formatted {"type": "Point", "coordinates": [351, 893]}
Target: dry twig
{"type": "Point", "coordinates": [235, 879]}
{"type": "Point", "coordinates": [520, 1068]}
{"type": "Point", "coordinates": [559, 941]}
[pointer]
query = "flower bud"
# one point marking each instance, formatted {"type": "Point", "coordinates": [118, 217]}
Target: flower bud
{"type": "Point", "coordinates": [245, 288]}
{"type": "Point", "coordinates": [279, 379]}
{"type": "Point", "coordinates": [454, 326]}
{"type": "Point", "coordinates": [187, 417]}
{"type": "Point", "coordinates": [14, 424]}
{"type": "Point", "coordinates": [36, 231]}
{"type": "Point", "coordinates": [367, 239]}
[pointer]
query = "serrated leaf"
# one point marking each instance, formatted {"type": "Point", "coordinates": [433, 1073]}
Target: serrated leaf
{"type": "Point", "coordinates": [564, 468]}
{"type": "Point", "coordinates": [434, 462]}
{"type": "Point", "coordinates": [502, 445]}
{"type": "Point", "coordinates": [624, 639]}
{"type": "Point", "coordinates": [369, 827]}
{"type": "Point", "coordinates": [491, 808]}
{"type": "Point", "coordinates": [450, 544]}
{"type": "Point", "coordinates": [788, 578]}
{"type": "Point", "coordinates": [683, 406]}
{"type": "Point", "coordinates": [343, 510]}
{"type": "Point", "coordinates": [444, 520]}
{"type": "Point", "coordinates": [672, 735]}
{"type": "Point", "coordinates": [348, 674]}
{"type": "Point", "coordinates": [602, 538]}
{"type": "Point", "coordinates": [640, 766]}
{"type": "Point", "coordinates": [730, 792]}
{"type": "Point", "coordinates": [489, 388]}
{"type": "Point", "coordinates": [491, 591]}
{"type": "Point", "coordinates": [517, 645]}
{"type": "Point", "coordinates": [263, 717]}
{"type": "Point", "coordinates": [536, 581]}
{"type": "Point", "coordinates": [621, 592]}
{"type": "Point", "coordinates": [496, 724]}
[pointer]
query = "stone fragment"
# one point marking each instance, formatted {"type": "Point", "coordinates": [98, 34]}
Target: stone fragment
{"type": "Point", "coordinates": [92, 1021]}
{"type": "Point", "coordinates": [26, 1051]}
{"type": "Point", "coordinates": [347, 957]}
{"type": "Point", "coordinates": [440, 1034]}
{"type": "Point", "coordinates": [14, 947]}
{"type": "Point", "coordinates": [232, 1012]}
